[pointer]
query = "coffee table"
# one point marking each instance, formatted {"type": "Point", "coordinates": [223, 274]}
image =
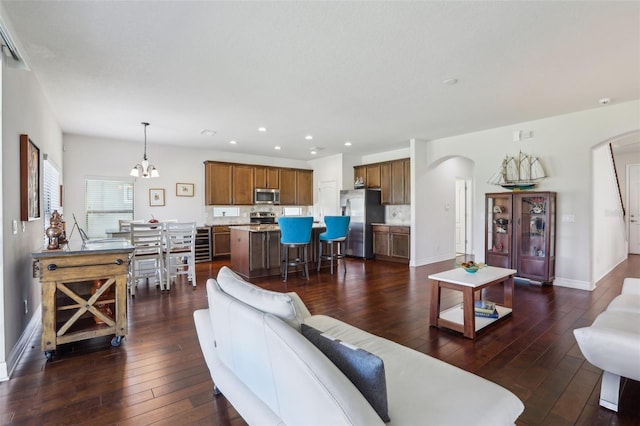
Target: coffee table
{"type": "Point", "coordinates": [471, 285]}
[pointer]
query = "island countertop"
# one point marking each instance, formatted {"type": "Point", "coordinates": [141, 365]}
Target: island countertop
{"type": "Point", "coordinates": [267, 228]}
{"type": "Point", "coordinates": [105, 246]}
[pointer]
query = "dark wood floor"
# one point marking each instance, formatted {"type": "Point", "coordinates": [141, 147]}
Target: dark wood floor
{"type": "Point", "coordinates": [158, 375]}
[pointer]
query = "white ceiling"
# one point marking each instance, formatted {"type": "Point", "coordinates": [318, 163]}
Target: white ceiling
{"type": "Point", "coordinates": [367, 72]}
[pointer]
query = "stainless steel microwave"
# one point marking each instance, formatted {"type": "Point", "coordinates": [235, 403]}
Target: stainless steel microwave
{"type": "Point", "coordinates": [266, 196]}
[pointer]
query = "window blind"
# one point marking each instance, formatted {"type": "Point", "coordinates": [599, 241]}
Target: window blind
{"type": "Point", "coordinates": [106, 202]}
{"type": "Point", "coordinates": [50, 191]}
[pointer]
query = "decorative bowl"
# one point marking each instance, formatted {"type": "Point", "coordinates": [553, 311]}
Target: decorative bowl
{"type": "Point", "coordinates": [472, 267]}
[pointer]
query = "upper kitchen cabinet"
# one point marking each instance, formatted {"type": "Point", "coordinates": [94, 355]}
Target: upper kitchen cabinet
{"type": "Point", "coordinates": [242, 184]}
{"type": "Point", "coordinates": [288, 187]}
{"type": "Point", "coordinates": [218, 183]}
{"type": "Point", "coordinates": [407, 180]}
{"type": "Point", "coordinates": [370, 174]}
{"type": "Point", "coordinates": [228, 183]}
{"type": "Point", "coordinates": [398, 182]}
{"type": "Point", "coordinates": [235, 183]}
{"type": "Point", "coordinates": [266, 177]}
{"type": "Point", "coordinates": [304, 187]}
{"type": "Point", "coordinates": [296, 187]}
{"type": "Point", "coordinates": [373, 176]}
{"type": "Point", "coordinates": [392, 177]}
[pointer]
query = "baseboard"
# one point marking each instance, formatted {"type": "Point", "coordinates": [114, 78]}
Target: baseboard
{"type": "Point", "coordinates": [578, 285]}
{"type": "Point", "coordinates": [429, 260]}
{"type": "Point", "coordinates": [6, 368]}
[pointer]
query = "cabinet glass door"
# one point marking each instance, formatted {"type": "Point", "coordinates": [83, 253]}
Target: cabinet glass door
{"type": "Point", "coordinates": [533, 223]}
{"type": "Point", "coordinates": [498, 230]}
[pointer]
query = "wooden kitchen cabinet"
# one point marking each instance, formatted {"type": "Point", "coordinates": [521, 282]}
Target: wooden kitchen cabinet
{"type": "Point", "coordinates": [381, 241]}
{"type": "Point", "coordinates": [266, 177]}
{"type": "Point", "coordinates": [373, 176]}
{"type": "Point", "coordinates": [221, 236]}
{"type": "Point", "coordinates": [288, 187]}
{"type": "Point", "coordinates": [255, 254]}
{"type": "Point", "coordinates": [407, 180]}
{"type": "Point", "coordinates": [385, 183]}
{"type": "Point", "coordinates": [234, 183]}
{"type": "Point", "coordinates": [520, 233]}
{"type": "Point", "coordinates": [242, 184]}
{"type": "Point", "coordinates": [392, 243]}
{"type": "Point", "coordinates": [392, 177]}
{"type": "Point", "coordinates": [304, 187]}
{"type": "Point", "coordinates": [360, 172]}
{"type": "Point", "coordinates": [399, 237]}
{"type": "Point", "coordinates": [218, 183]}
{"type": "Point", "coordinates": [397, 182]}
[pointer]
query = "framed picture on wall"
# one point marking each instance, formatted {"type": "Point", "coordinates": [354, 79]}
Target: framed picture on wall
{"type": "Point", "coordinates": [184, 189]}
{"type": "Point", "coordinates": [156, 197]}
{"type": "Point", "coordinates": [29, 179]}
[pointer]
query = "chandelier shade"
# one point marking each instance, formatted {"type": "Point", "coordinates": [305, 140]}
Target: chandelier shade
{"type": "Point", "coordinates": [144, 169]}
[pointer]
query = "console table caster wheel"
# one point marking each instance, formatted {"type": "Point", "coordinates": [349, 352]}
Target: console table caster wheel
{"type": "Point", "coordinates": [116, 341]}
{"type": "Point", "coordinates": [48, 355]}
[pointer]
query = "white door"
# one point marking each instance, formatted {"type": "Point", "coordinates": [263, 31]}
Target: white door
{"type": "Point", "coordinates": [461, 216]}
{"type": "Point", "coordinates": [633, 184]}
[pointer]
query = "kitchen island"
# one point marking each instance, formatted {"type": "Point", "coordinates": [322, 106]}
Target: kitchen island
{"type": "Point", "coordinates": [256, 252]}
{"type": "Point", "coordinates": [84, 291]}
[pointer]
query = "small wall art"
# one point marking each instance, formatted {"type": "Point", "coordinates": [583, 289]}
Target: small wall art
{"type": "Point", "coordinates": [156, 197]}
{"type": "Point", "coordinates": [184, 189]}
{"type": "Point", "coordinates": [29, 179]}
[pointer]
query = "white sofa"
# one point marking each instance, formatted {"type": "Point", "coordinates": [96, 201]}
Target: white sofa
{"type": "Point", "coordinates": [273, 375]}
{"type": "Point", "coordinates": [612, 342]}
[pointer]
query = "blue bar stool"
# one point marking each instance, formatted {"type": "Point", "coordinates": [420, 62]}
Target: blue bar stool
{"type": "Point", "coordinates": [337, 227]}
{"type": "Point", "coordinates": [295, 232]}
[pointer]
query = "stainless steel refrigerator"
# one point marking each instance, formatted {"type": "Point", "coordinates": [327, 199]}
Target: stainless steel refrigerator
{"type": "Point", "coordinates": [364, 207]}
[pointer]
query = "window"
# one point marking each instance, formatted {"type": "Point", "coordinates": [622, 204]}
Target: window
{"type": "Point", "coordinates": [50, 191]}
{"type": "Point", "coordinates": [106, 202]}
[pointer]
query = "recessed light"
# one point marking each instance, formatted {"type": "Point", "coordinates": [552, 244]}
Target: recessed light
{"type": "Point", "coordinates": [347, 143]}
{"type": "Point", "coordinates": [207, 132]}
{"type": "Point", "coordinates": [233, 142]}
{"type": "Point", "coordinates": [450, 81]}
{"type": "Point", "coordinates": [277, 148]}
{"type": "Point", "coordinates": [604, 101]}
{"type": "Point", "coordinates": [314, 152]}
{"type": "Point", "coordinates": [308, 137]}
{"type": "Point", "coordinates": [262, 129]}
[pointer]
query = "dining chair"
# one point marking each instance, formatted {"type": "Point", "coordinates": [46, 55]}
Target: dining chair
{"type": "Point", "coordinates": [295, 233]}
{"type": "Point", "coordinates": [180, 251]}
{"type": "Point", "coordinates": [337, 228]}
{"type": "Point", "coordinates": [124, 225]}
{"type": "Point", "coordinates": [147, 260]}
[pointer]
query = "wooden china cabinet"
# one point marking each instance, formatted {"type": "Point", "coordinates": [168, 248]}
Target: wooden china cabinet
{"type": "Point", "coordinates": [520, 232]}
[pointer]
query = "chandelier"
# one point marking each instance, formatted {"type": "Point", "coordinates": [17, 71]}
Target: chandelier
{"type": "Point", "coordinates": [145, 169]}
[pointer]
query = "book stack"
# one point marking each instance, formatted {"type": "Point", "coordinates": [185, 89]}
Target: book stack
{"type": "Point", "coordinates": [485, 309]}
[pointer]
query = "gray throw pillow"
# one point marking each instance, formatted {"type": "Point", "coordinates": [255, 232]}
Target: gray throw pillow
{"type": "Point", "coordinates": [364, 369]}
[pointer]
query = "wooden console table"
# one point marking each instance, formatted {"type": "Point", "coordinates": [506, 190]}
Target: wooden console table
{"type": "Point", "coordinates": [84, 292]}
{"type": "Point", "coordinates": [471, 285]}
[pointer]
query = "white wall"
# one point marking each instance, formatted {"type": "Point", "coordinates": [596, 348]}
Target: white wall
{"type": "Point", "coordinates": [563, 143]}
{"type": "Point", "coordinates": [609, 236]}
{"type": "Point", "coordinates": [24, 111]}
{"type": "Point", "coordinates": [95, 157]}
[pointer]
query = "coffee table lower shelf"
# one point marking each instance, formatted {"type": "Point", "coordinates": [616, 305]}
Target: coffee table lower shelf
{"type": "Point", "coordinates": [453, 318]}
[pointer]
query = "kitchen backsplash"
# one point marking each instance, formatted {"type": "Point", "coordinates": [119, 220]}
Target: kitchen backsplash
{"type": "Point", "coordinates": [230, 215]}
{"type": "Point", "coordinates": [398, 214]}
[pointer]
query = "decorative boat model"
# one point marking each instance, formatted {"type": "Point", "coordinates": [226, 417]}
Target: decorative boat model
{"type": "Point", "coordinates": [520, 172]}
